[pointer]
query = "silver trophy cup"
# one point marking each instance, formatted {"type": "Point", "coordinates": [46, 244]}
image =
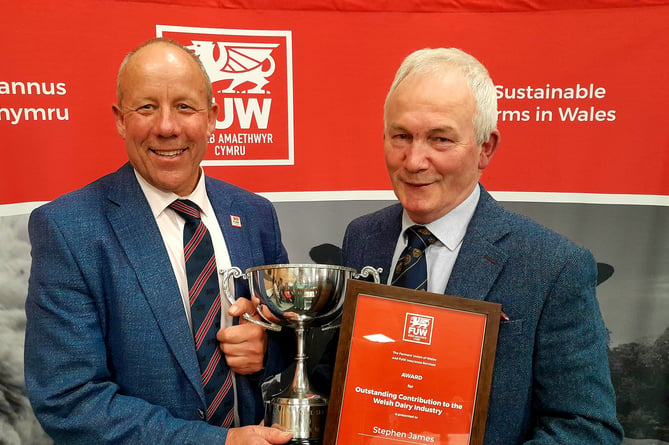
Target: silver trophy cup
{"type": "Point", "coordinates": [298, 296]}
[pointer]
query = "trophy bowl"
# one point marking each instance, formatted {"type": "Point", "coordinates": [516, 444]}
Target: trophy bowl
{"type": "Point", "coordinates": [298, 296]}
{"type": "Point", "coordinates": [308, 295]}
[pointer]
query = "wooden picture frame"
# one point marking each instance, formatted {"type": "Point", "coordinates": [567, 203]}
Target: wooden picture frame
{"type": "Point", "coordinates": [411, 367]}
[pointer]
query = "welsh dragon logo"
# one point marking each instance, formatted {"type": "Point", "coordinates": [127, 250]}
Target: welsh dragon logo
{"type": "Point", "coordinates": [245, 65]}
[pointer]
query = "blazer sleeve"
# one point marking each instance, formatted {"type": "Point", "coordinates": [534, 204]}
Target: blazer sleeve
{"type": "Point", "coordinates": [573, 399]}
{"type": "Point", "coordinates": [70, 385]}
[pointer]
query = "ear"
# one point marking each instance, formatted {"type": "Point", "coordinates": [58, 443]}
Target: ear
{"type": "Point", "coordinates": [211, 119]}
{"type": "Point", "coordinates": [488, 149]}
{"type": "Point", "coordinates": [120, 120]}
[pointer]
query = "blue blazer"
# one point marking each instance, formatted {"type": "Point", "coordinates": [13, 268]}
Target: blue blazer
{"type": "Point", "coordinates": [109, 356]}
{"type": "Point", "coordinates": [551, 381]}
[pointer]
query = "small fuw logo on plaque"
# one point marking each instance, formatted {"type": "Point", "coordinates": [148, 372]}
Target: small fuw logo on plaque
{"type": "Point", "coordinates": [418, 328]}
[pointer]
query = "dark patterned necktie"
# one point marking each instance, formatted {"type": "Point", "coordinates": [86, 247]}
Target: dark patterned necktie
{"type": "Point", "coordinates": [205, 308]}
{"type": "Point", "coordinates": [411, 268]}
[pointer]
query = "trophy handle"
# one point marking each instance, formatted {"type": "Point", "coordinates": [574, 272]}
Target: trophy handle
{"type": "Point", "coordinates": [233, 272]}
{"type": "Point", "coordinates": [236, 272]}
{"type": "Point", "coordinates": [269, 325]}
{"type": "Point", "coordinates": [369, 270]}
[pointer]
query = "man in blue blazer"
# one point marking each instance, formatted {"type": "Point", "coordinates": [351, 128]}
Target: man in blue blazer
{"type": "Point", "coordinates": [551, 381]}
{"type": "Point", "coordinates": [109, 353]}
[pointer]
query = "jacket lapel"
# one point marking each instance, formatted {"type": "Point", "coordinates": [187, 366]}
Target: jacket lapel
{"type": "Point", "coordinates": [380, 246]}
{"type": "Point", "coordinates": [130, 216]}
{"type": "Point", "coordinates": [232, 216]}
{"type": "Point", "coordinates": [233, 221]}
{"type": "Point", "coordinates": [480, 261]}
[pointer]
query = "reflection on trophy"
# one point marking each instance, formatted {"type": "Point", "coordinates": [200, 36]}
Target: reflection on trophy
{"type": "Point", "coordinates": [298, 296]}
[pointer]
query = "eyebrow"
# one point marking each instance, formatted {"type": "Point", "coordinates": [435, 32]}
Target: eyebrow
{"type": "Point", "coordinates": [395, 127]}
{"type": "Point", "coordinates": [444, 129]}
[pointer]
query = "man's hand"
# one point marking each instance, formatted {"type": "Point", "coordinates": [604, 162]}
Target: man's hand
{"type": "Point", "coordinates": [244, 345]}
{"type": "Point", "coordinates": [256, 435]}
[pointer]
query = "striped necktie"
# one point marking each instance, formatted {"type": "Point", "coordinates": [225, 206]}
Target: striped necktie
{"type": "Point", "coordinates": [411, 268]}
{"type": "Point", "coordinates": [205, 308]}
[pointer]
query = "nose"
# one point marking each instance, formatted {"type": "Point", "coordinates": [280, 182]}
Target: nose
{"type": "Point", "coordinates": [416, 156]}
{"type": "Point", "coordinates": [166, 123]}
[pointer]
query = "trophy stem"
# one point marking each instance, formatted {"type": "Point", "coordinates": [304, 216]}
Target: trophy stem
{"type": "Point", "coordinates": [300, 386]}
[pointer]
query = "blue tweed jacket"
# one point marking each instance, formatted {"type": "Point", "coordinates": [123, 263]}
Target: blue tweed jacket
{"type": "Point", "coordinates": [551, 381]}
{"type": "Point", "coordinates": [109, 356]}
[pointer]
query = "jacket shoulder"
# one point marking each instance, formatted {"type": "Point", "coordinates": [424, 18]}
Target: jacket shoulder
{"type": "Point", "coordinates": [374, 221]}
{"type": "Point", "coordinates": [218, 188]}
{"type": "Point", "coordinates": [491, 219]}
{"type": "Point", "coordinates": [85, 199]}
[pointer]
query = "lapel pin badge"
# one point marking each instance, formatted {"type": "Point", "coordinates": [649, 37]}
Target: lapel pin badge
{"type": "Point", "coordinates": [236, 221]}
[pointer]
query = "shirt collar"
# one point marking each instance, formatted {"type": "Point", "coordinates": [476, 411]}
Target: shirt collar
{"type": "Point", "coordinates": [159, 200]}
{"type": "Point", "coordinates": [450, 229]}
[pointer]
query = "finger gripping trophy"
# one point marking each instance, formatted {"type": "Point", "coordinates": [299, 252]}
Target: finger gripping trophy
{"type": "Point", "coordinates": [298, 296]}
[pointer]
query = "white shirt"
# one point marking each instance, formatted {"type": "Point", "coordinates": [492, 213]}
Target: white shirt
{"type": "Point", "coordinates": [450, 230]}
{"type": "Point", "coordinates": [171, 226]}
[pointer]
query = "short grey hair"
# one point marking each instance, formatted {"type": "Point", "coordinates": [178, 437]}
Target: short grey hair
{"type": "Point", "coordinates": [209, 89]}
{"type": "Point", "coordinates": [430, 60]}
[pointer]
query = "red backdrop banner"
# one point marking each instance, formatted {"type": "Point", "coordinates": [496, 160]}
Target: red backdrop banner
{"type": "Point", "coordinates": [581, 93]}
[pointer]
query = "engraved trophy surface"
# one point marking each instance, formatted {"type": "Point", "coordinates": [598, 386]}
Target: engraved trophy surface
{"type": "Point", "coordinates": [298, 296]}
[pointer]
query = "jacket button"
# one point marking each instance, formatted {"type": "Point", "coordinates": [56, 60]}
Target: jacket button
{"type": "Point", "coordinates": [200, 414]}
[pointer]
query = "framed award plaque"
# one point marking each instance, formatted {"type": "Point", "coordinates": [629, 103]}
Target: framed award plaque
{"type": "Point", "coordinates": [412, 367]}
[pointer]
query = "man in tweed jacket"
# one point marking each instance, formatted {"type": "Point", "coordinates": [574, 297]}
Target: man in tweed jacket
{"type": "Point", "coordinates": [551, 381]}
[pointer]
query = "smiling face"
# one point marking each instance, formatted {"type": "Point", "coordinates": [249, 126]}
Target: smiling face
{"type": "Point", "coordinates": [164, 116]}
{"type": "Point", "coordinates": [430, 145]}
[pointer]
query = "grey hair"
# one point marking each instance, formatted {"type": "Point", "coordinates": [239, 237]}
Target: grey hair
{"type": "Point", "coordinates": [431, 60]}
{"type": "Point", "coordinates": [174, 43]}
